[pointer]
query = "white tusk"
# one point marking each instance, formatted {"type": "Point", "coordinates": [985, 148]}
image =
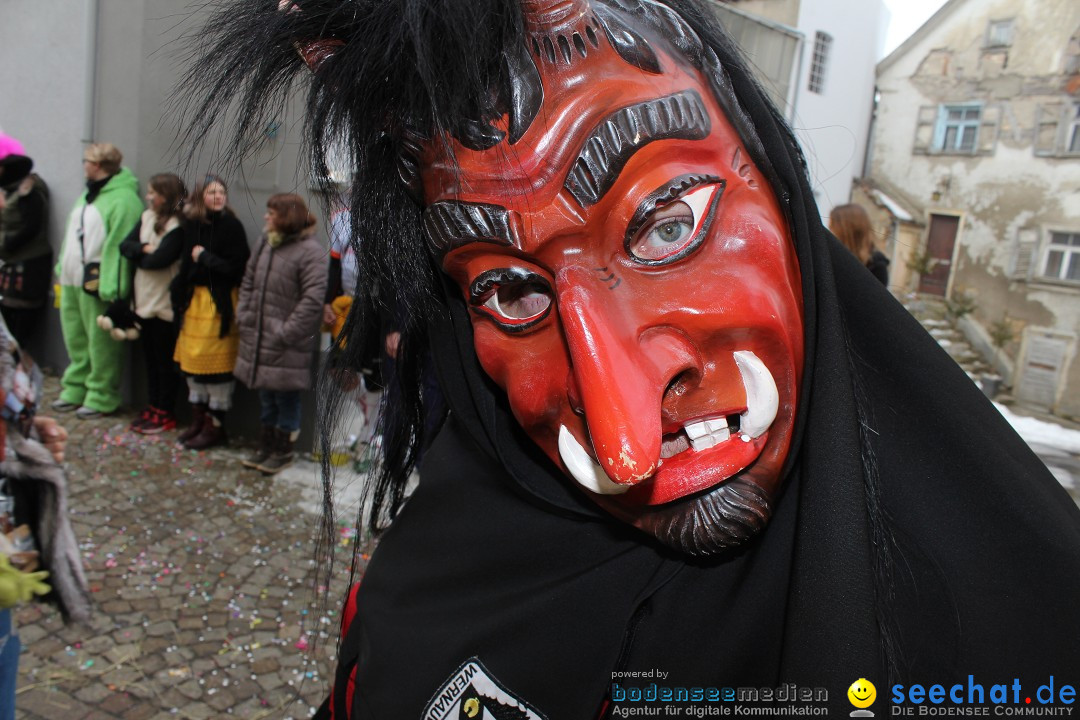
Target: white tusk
{"type": "Point", "coordinates": [762, 400]}
{"type": "Point", "coordinates": [583, 468]}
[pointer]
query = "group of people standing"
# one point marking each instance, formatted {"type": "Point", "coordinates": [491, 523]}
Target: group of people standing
{"type": "Point", "coordinates": [209, 309]}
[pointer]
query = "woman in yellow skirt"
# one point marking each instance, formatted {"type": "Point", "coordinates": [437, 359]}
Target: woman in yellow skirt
{"type": "Point", "coordinates": [204, 296]}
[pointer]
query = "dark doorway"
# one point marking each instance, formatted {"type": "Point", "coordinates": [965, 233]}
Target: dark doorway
{"type": "Point", "coordinates": [939, 245]}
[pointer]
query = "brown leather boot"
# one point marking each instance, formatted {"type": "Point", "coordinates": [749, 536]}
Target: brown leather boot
{"type": "Point", "coordinates": [199, 412]}
{"type": "Point", "coordinates": [283, 455]}
{"type": "Point", "coordinates": [267, 438]}
{"type": "Point", "coordinates": [212, 433]}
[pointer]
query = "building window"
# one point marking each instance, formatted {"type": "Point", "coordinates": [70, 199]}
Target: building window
{"type": "Point", "coordinates": [999, 33]}
{"type": "Point", "coordinates": [822, 46]}
{"type": "Point", "coordinates": [1057, 130]}
{"type": "Point", "coordinates": [958, 128]}
{"type": "Point", "coordinates": [1063, 257]}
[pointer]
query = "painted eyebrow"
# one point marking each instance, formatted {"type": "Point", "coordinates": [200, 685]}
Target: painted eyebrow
{"type": "Point", "coordinates": [449, 224]}
{"type": "Point", "coordinates": [615, 140]}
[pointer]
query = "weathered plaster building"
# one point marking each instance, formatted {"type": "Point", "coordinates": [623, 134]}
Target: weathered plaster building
{"type": "Point", "coordinates": [978, 128]}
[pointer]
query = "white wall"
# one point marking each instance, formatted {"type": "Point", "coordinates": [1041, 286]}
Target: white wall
{"type": "Point", "coordinates": [833, 127]}
{"type": "Point", "coordinates": [42, 104]}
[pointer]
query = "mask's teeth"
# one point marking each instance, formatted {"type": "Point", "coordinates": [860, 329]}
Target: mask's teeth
{"type": "Point", "coordinates": [697, 430]}
{"type": "Point", "coordinates": [762, 399]}
{"type": "Point", "coordinates": [717, 425]}
{"type": "Point", "coordinates": [703, 443]}
{"type": "Point", "coordinates": [583, 468]}
{"type": "Point", "coordinates": [704, 435]}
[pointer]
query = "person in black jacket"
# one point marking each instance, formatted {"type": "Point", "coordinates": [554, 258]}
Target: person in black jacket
{"type": "Point", "coordinates": [24, 246]}
{"type": "Point", "coordinates": [154, 246]}
{"type": "Point", "coordinates": [204, 295]}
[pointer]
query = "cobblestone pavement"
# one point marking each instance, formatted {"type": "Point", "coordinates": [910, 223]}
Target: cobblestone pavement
{"type": "Point", "coordinates": [204, 580]}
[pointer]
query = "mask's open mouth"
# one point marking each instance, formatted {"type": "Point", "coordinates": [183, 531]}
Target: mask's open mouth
{"type": "Point", "coordinates": [696, 436]}
{"type": "Point", "coordinates": [700, 435]}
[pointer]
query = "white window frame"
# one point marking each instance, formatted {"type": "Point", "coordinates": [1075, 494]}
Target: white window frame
{"type": "Point", "coordinates": [1065, 245]}
{"type": "Point", "coordinates": [819, 62]}
{"type": "Point", "coordinates": [999, 33]}
{"type": "Point", "coordinates": [942, 142]}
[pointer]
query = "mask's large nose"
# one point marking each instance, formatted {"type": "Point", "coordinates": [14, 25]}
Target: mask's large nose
{"type": "Point", "coordinates": [622, 372]}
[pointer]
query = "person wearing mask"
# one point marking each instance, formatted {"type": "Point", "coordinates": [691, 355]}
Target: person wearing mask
{"type": "Point", "coordinates": [39, 553]}
{"type": "Point", "coordinates": [92, 274]}
{"type": "Point", "coordinates": [204, 299]}
{"type": "Point", "coordinates": [851, 225]}
{"type": "Point", "coordinates": [154, 246]}
{"type": "Point", "coordinates": [680, 443]}
{"type": "Point", "coordinates": [278, 315]}
{"type": "Point", "coordinates": [24, 246]}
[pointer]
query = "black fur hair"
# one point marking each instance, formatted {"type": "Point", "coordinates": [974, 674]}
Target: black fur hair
{"type": "Point", "coordinates": [405, 67]}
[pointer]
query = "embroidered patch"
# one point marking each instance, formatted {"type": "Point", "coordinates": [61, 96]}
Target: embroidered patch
{"type": "Point", "coordinates": [472, 693]}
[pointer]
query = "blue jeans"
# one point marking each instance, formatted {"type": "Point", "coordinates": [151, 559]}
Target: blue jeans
{"type": "Point", "coordinates": [9, 665]}
{"type": "Point", "coordinates": [280, 409]}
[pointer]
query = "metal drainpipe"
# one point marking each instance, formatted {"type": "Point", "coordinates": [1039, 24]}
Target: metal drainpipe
{"type": "Point", "coordinates": [868, 151]}
{"type": "Point", "coordinates": [93, 10]}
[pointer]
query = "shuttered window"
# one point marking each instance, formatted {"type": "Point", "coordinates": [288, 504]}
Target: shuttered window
{"type": "Point", "coordinates": [1057, 130]}
{"type": "Point", "coordinates": [957, 129]}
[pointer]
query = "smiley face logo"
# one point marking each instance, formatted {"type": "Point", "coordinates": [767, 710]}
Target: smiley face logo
{"type": "Point", "coordinates": [862, 693]}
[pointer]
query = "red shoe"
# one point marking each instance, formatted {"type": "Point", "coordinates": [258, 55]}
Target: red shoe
{"type": "Point", "coordinates": [139, 424]}
{"type": "Point", "coordinates": [159, 422]}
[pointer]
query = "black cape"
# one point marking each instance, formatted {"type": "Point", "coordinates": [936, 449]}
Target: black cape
{"type": "Point", "coordinates": [917, 538]}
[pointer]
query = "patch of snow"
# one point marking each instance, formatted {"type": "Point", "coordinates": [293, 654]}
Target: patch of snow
{"type": "Point", "coordinates": [1041, 432]}
{"type": "Point", "coordinates": [892, 206]}
{"type": "Point", "coordinates": [1063, 476]}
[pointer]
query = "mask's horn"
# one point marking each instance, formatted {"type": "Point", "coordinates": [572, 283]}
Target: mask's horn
{"type": "Point", "coordinates": [559, 30]}
{"type": "Point", "coordinates": [546, 16]}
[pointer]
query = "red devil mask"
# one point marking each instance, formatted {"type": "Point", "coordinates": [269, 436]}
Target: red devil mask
{"type": "Point", "coordinates": [633, 285]}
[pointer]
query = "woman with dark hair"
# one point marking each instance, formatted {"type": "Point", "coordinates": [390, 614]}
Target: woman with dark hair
{"type": "Point", "coordinates": [681, 454]}
{"type": "Point", "coordinates": [204, 298]}
{"type": "Point", "coordinates": [278, 315]}
{"type": "Point", "coordinates": [851, 226]}
{"type": "Point", "coordinates": [154, 247]}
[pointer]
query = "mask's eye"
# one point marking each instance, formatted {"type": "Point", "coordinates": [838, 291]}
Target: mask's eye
{"type": "Point", "coordinates": [675, 228]}
{"type": "Point", "coordinates": [515, 299]}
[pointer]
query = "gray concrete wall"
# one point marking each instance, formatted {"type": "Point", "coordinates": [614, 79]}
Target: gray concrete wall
{"type": "Point", "coordinates": [141, 48]}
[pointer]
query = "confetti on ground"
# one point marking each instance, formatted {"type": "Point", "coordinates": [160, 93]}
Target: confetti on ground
{"type": "Point", "coordinates": [208, 595]}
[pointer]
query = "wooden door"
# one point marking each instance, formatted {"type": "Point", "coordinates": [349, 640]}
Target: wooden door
{"type": "Point", "coordinates": [939, 244]}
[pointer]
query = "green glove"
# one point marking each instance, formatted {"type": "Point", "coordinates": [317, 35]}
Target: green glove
{"type": "Point", "coordinates": [17, 586]}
